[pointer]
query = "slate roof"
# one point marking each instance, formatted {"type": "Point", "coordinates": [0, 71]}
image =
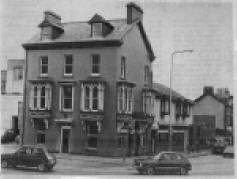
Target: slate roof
{"type": "Point", "coordinates": [81, 31]}
{"type": "Point", "coordinates": [163, 90]}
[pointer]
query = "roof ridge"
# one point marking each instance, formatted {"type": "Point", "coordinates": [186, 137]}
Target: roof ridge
{"type": "Point", "coordinates": [116, 19]}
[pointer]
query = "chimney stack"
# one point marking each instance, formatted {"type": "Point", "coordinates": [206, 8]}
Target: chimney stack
{"type": "Point", "coordinates": [208, 90]}
{"type": "Point", "coordinates": [134, 13]}
{"type": "Point", "coordinates": [51, 26]}
{"type": "Point", "coordinates": [52, 17]}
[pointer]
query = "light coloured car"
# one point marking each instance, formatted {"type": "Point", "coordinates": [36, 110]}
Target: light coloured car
{"type": "Point", "coordinates": [228, 152]}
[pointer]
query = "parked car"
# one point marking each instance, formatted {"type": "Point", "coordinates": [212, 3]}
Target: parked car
{"type": "Point", "coordinates": [29, 156]}
{"type": "Point", "coordinates": [171, 162]}
{"type": "Point", "coordinates": [9, 136]}
{"type": "Point", "coordinates": [228, 152]}
{"type": "Point", "coordinates": [219, 145]}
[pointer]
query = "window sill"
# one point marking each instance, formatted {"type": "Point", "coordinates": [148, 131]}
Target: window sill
{"type": "Point", "coordinates": [67, 110]}
{"type": "Point", "coordinates": [95, 74]}
{"type": "Point", "coordinates": [44, 75]}
{"type": "Point", "coordinates": [67, 75]}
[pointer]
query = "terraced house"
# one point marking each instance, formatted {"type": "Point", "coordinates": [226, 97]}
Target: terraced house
{"type": "Point", "coordinates": [88, 85]}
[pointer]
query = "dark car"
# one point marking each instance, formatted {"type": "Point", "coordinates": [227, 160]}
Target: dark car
{"type": "Point", "coordinates": [29, 156]}
{"type": "Point", "coordinates": [168, 162]}
{"type": "Point", "coordinates": [228, 152]}
{"type": "Point", "coordinates": [9, 136]}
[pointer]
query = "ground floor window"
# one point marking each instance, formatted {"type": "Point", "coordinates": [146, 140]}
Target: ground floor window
{"type": "Point", "coordinates": [40, 125]}
{"type": "Point", "coordinates": [40, 137]}
{"type": "Point", "coordinates": [92, 134]}
{"type": "Point", "coordinates": [163, 137]}
{"type": "Point", "coordinates": [178, 137]}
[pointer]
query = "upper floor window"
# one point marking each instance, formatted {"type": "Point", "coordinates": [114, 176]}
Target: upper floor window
{"type": "Point", "coordinates": [95, 64]}
{"type": "Point", "coordinates": [66, 97]}
{"type": "Point", "coordinates": [165, 106]}
{"type": "Point", "coordinates": [97, 30]}
{"type": "Point", "coordinates": [40, 97]}
{"type": "Point", "coordinates": [146, 75]}
{"type": "Point", "coordinates": [44, 66]}
{"type": "Point", "coordinates": [148, 102]}
{"type": "Point", "coordinates": [68, 65]}
{"type": "Point", "coordinates": [125, 99]}
{"type": "Point", "coordinates": [18, 74]}
{"type": "Point", "coordinates": [123, 67]}
{"type": "Point", "coordinates": [186, 109]}
{"type": "Point", "coordinates": [92, 97]}
{"type": "Point", "coordinates": [179, 109]}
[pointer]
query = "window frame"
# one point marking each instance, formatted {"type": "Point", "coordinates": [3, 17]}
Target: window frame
{"type": "Point", "coordinates": [94, 65]}
{"type": "Point", "coordinates": [94, 30]}
{"type": "Point", "coordinates": [18, 72]}
{"type": "Point", "coordinates": [35, 99]}
{"type": "Point", "coordinates": [67, 65]}
{"type": "Point", "coordinates": [91, 135]}
{"type": "Point", "coordinates": [164, 103]}
{"type": "Point", "coordinates": [62, 98]}
{"type": "Point", "coordinates": [44, 65]}
{"type": "Point", "coordinates": [123, 67]}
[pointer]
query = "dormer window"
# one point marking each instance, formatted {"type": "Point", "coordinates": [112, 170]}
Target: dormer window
{"type": "Point", "coordinates": [99, 26]}
{"type": "Point", "coordinates": [97, 30]}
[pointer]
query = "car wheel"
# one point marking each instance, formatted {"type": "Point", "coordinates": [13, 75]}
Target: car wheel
{"type": "Point", "coordinates": [150, 171]}
{"type": "Point", "coordinates": [41, 167]}
{"type": "Point", "coordinates": [183, 171]}
{"type": "Point", "coordinates": [4, 164]}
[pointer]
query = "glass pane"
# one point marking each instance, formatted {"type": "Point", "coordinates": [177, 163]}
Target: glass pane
{"type": "Point", "coordinates": [92, 142]}
{"type": "Point", "coordinates": [68, 69]}
{"type": "Point", "coordinates": [68, 103]}
{"type": "Point", "coordinates": [44, 60]}
{"type": "Point", "coordinates": [68, 60]}
{"type": "Point", "coordinates": [67, 91]}
{"type": "Point", "coordinates": [44, 69]}
{"type": "Point", "coordinates": [41, 138]}
{"type": "Point", "coordinates": [91, 127]}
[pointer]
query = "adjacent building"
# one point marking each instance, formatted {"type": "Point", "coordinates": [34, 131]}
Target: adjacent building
{"type": "Point", "coordinates": [212, 115]}
{"type": "Point", "coordinates": [180, 113]}
{"type": "Point", "coordinates": [88, 86]}
{"type": "Point", "coordinates": [11, 94]}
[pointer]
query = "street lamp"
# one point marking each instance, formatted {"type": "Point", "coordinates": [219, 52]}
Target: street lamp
{"type": "Point", "coordinates": [171, 79]}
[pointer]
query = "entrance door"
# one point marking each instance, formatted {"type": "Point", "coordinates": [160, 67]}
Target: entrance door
{"type": "Point", "coordinates": [65, 140]}
{"type": "Point", "coordinates": [15, 124]}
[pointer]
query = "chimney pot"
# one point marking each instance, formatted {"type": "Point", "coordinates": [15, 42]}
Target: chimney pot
{"type": "Point", "coordinates": [208, 90]}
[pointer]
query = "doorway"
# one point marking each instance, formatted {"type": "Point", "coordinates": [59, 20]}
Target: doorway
{"type": "Point", "coordinates": [15, 124]}
{"type": "Point", "coordinates": [65, 135]}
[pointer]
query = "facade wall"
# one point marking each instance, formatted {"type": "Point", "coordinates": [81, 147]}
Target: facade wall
{"type": "Point", "coordinates": [81, 71]}
{"type": "Point", "coordinates": [209, 106]}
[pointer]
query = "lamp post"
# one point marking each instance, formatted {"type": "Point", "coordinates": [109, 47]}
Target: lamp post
{"type": "Point", "coordinates": [171, 80]}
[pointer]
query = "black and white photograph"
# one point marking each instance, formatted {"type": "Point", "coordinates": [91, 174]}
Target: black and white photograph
{"type": "Point", "coordinates": [132, 88]}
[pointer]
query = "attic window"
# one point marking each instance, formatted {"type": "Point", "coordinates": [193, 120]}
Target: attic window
{"type": "Point", "coordinates": [96, 29]}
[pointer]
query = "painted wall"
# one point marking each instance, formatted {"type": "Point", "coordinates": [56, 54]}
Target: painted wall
{"type": "Point", "coordinates": [81, 71]}
{"type": "Point", "coordinates": [166, 118]}
{"type": "Point", "coordinates": [137, 58]}
{"type": "Point", "coordinates": [209, 106]}
{"type": "Point", "coordinates": [9, 108]}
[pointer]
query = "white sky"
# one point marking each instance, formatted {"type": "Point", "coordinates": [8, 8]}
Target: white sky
{"type": "Point", "coordinates": [206, 28]}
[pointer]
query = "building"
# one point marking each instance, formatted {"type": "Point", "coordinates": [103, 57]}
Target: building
{"type": "Point", "coordinates": [86, 83]}
{"type": "Point", "coordinates": [211, 115]}
{"type": "Point", "coordinates": [11, 94]}
{"type": "Point", "coordinates": [181, 119]}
